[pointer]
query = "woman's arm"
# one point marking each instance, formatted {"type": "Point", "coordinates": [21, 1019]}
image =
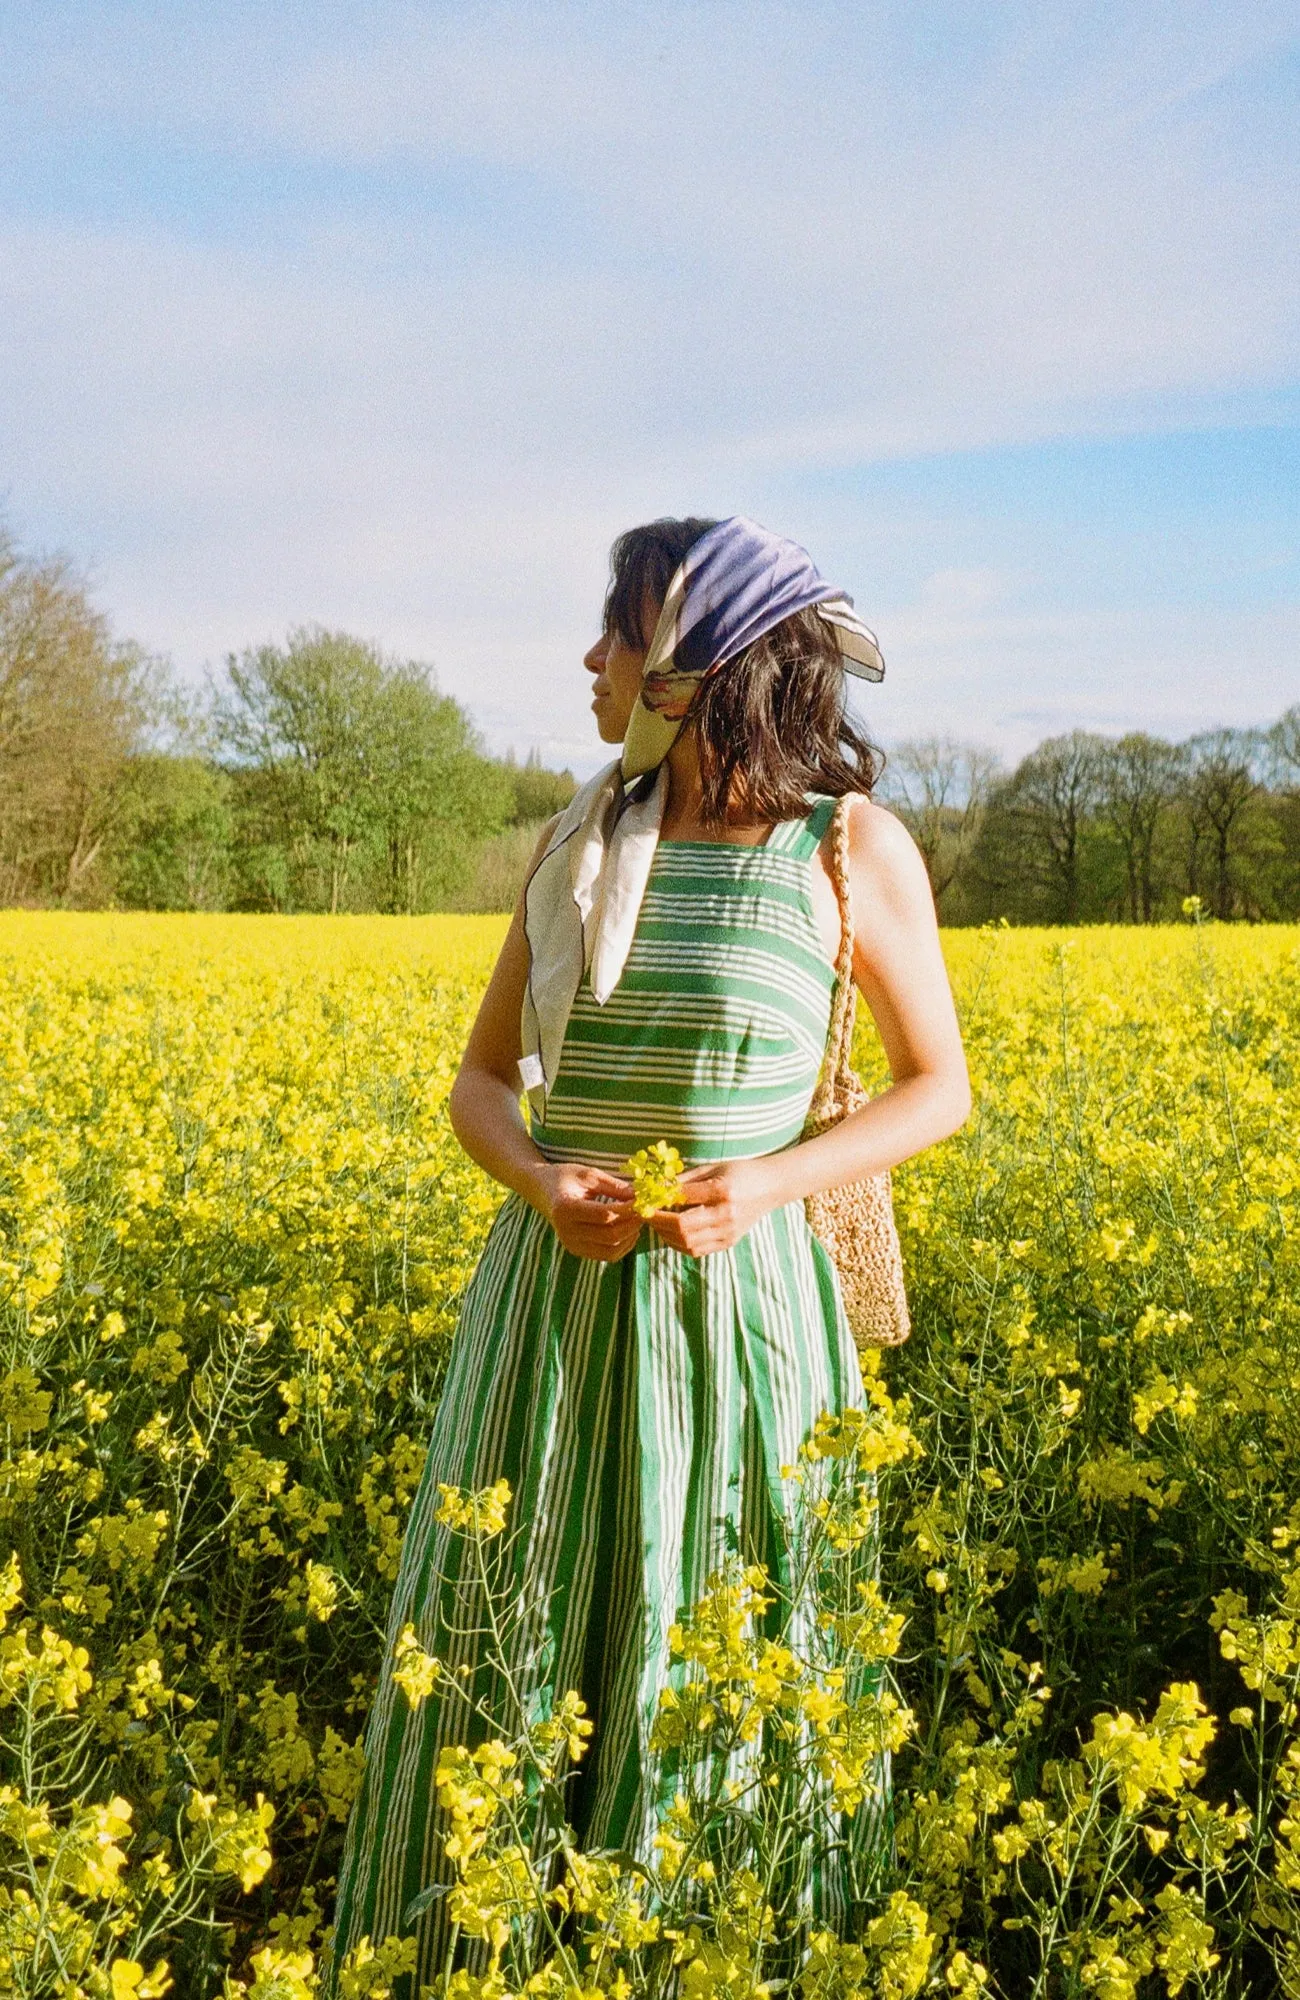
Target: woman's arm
{"type": "Point", "coordinates": [898, 966]}
{"type": "Point", "coordinates": [486, 1118]}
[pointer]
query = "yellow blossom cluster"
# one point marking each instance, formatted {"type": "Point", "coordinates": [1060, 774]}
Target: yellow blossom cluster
{"type": "Point", "coordinates": [656, 1173]}
{"type": "Point", "coordinates": [234, 1227]}
{"type": "Point", "coordinates": [234, 1231]}
{"type": "Point", "coordinates": [1105, 1271]}
{"type": "Point", "coordinates": [478, 1514]}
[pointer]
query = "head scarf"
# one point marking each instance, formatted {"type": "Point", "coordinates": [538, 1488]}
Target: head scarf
{"type": "Point", "coordinates": [733, 585]}
{"type": "Point", "coordinates": [582, 899]}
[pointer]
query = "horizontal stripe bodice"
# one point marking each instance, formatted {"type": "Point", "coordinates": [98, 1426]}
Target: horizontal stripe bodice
{"type": "Point", "coordinates": [714, 1036]}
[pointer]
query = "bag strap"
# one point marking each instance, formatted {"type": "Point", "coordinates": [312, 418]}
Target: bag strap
{"type": "Point", "coordinates": [839, 1035]}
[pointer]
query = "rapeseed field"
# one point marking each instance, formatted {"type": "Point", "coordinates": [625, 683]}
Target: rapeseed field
{"type": "Point", "coordinates": [234, 1226]}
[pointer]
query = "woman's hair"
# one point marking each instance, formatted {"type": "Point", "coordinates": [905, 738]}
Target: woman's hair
{"type": "Point", "coordinates": [772, 725]}
{"type": "Point", "coordinates": [642, 563]}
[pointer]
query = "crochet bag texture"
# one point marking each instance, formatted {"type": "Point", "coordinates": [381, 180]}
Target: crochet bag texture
{"type": "Point", "coordinates": [854, 1222]}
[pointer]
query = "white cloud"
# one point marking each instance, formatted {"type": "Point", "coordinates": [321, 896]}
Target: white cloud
{"type": "Point", "coordinates": [900, 259]}
{"type": "Point", "coordinates": [496, 279]}
{"type": "Point", "coordinates": [1010, 678]}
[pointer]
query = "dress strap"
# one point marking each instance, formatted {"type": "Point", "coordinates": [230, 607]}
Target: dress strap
{"type": "Point", "coordinates": [802, 837]}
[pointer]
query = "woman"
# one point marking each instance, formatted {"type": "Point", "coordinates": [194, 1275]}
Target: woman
{"type": "Point", "coordinates": [667, 975]}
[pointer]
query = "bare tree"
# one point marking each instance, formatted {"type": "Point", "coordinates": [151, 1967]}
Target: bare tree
{"type": "Point", "coordinates": [1284, 745]}
{"type": "Point", "coordinates": [1138, 778]}
{"type": "Point", "coordinates": [1047, 804]}
{"type": "Point", "coordinates": [1222, 786]}
{"type": "Point", "coordinates": [939, 788]}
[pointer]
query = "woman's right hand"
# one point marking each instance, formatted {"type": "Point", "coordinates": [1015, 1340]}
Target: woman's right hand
{"type": "Point", "coordinates": [590, 1210]}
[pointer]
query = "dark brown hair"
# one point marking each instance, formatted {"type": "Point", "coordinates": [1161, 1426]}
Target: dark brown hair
{"type": "Point", "coordinates": [772, 725]}
{"type": "Point", "coordinates": [642, 563]}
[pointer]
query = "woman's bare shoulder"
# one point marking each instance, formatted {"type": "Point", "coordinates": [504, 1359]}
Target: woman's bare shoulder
{"type": "Point", "coordinates": [885, 862]}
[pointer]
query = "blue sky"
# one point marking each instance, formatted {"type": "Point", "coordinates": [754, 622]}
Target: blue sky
{"type": "Point", "coordinates": [391, 317]}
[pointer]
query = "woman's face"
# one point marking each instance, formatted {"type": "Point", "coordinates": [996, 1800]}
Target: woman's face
{"type": "Point", "coordinates": [617, 668]}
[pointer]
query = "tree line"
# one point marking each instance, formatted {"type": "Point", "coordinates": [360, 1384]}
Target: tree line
{"type": "Point", "coordinates": [319, 774]}
{"type": "Point", "coordinates": [1091, 828]}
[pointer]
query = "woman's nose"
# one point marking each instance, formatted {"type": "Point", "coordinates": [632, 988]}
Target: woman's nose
{"type": "Point", "coordinates": [595, 656]}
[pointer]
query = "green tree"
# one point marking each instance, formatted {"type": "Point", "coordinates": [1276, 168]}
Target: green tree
{"type": "Point", "coordinates": [536, 792]}
{"type": "Point", "coordinates": [305, 716]}
{"type": "Point", "coordinates": [438, 796]}
{"type": "Point", "coordinates": [75, 704]}
{"type": "Point", "coordinates": [357, 783]}
{"type": "Point", "coordinates": [172, 848]}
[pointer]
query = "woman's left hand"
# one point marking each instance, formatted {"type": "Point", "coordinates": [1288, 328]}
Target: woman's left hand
{"type": "Point", "coordinates": [722, 1202]}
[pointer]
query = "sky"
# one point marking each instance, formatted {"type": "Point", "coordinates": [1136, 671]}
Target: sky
{"type": "Point", "coordinates": [390, 318]}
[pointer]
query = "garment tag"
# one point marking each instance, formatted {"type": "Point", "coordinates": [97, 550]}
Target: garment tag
{"type": "Point", "coordinates": [531, 1074]}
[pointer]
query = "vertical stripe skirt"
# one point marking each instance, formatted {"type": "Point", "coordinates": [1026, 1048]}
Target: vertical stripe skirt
{"type": "Point", "coordinates": [641, 1412]}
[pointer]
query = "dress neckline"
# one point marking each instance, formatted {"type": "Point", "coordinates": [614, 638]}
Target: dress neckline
{"type": "Point", "coordinates": [740, 846]}
{"type": "Point", "coordinates": [749, 846]}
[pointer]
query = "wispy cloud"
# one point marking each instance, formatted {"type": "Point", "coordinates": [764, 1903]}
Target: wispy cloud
{"type": "Point", "coordinates": [394, 318]}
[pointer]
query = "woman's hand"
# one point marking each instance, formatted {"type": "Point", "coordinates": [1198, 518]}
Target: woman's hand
{"type": "Point", "coordinates": [722, 1202]}
{"type": "Point", "coordinates": [590, 1210]}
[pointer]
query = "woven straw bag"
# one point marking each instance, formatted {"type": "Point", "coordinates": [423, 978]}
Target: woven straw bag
{"type": "Point", "coordinates": [855, 1222]}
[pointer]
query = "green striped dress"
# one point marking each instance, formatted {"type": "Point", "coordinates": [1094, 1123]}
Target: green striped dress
{"type": "Point", "coordinates": [641, 1410]}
